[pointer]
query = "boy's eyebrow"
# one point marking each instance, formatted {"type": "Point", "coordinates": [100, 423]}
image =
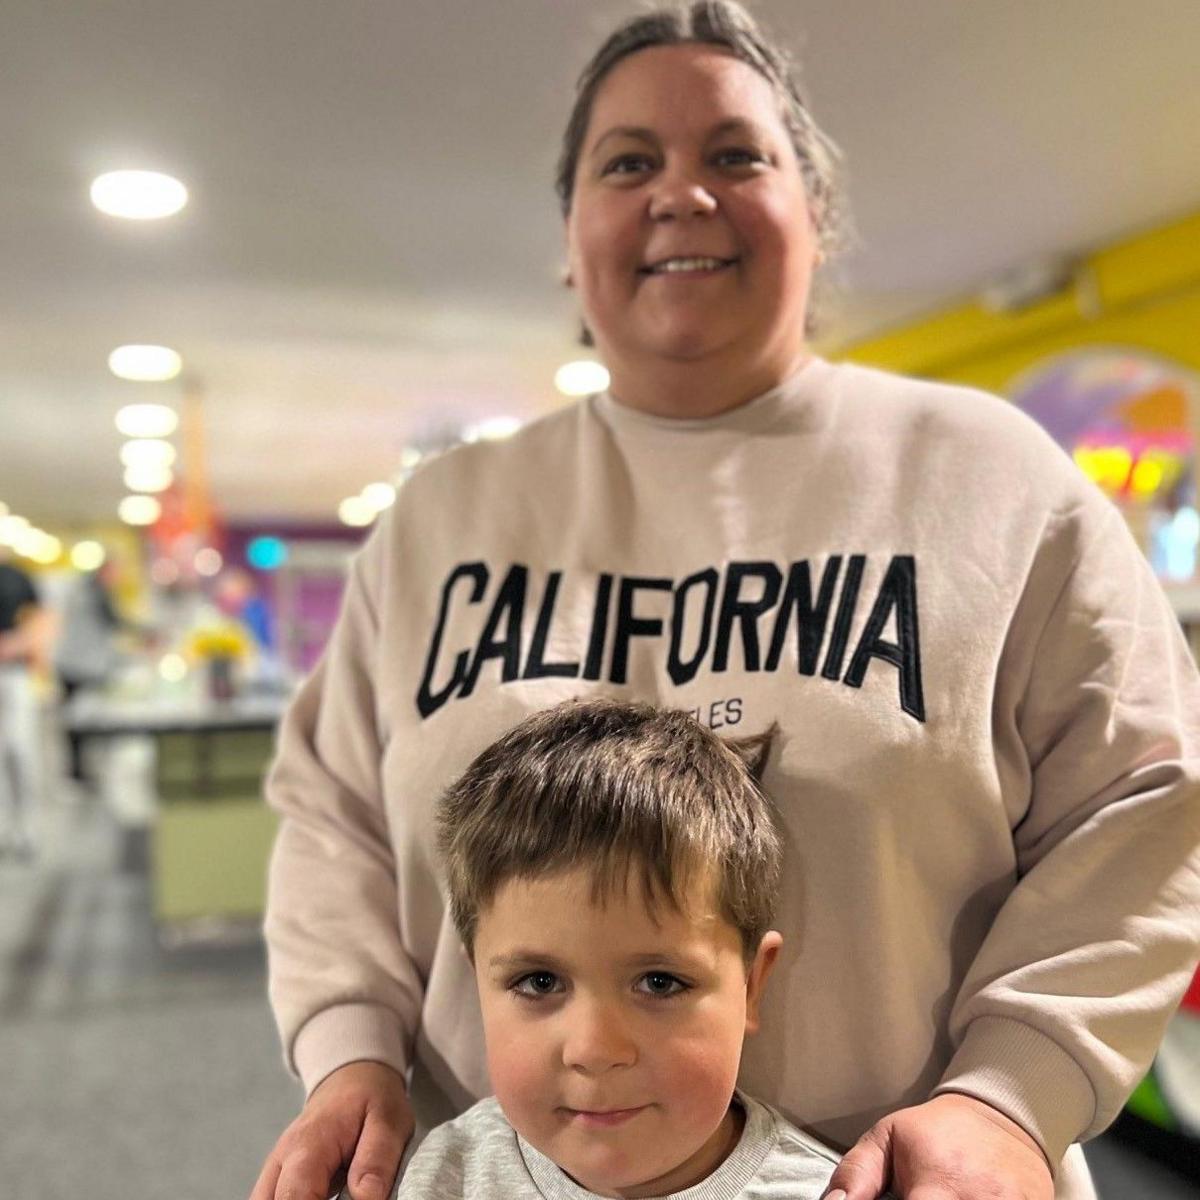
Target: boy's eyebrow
{"type": "Point", "coordinates": [666, 958]}
{"type": "Point", "coordinates": [522, 957]}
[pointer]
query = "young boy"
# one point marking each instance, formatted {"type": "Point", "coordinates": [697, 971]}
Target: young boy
{"type": "Point", "coordinates": [611, 869]}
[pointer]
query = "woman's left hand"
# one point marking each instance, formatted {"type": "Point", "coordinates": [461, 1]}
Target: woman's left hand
{"type": "Point", "coordinates": [952, 1147]}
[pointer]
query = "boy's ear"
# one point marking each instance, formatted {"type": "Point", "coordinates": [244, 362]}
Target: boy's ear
{"type": "Point", "coordinates": [756, 978]}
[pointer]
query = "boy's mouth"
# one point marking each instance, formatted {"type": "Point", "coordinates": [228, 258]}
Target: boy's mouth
{"type": "Point", "coordinates": [604, 1119]}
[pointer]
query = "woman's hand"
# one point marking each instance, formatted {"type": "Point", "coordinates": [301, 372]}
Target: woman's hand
{"type": "Point", "coordinates": [952, 1147]}
{"type": "Point", "coordinates": [357, 1115]}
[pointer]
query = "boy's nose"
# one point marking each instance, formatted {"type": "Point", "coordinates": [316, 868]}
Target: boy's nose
{"type": "Point", "coordinates": [596, 1039]}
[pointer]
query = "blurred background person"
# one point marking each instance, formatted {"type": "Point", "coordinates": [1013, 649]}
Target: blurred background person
{"type": "Point", "coordinates": [24, 628]}
{"type": "Point", "coordinates": [86, 653]}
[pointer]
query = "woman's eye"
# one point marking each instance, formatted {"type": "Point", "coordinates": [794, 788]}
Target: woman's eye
{"type": "Point", "coordinates": [739, 157]}
{"type": "Point", "coordinates": [537, 983]}
{"type": "Point", "coordinates": [627, 164]}
{"type": "Point", "coordinates": [660, 983]}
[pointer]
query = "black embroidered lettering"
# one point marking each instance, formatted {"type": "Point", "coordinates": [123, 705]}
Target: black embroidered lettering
{"type": "Point", "coordinates": [810, 619]}
{"type": "Point", "coordinates": [507, 611]}
{"type": "Point", "coordinates": [744, 612]}
{"type": "Point", "coordinates": [595, 655]}
{"type": "Point", "coordinates": [683, 672]}
{"type": "Point", "coordinates": [428, 701]}
{"type": "Point", "coordinates": [845, 614]}
{"type": "Point", "coordinates": [898, 591]}
{"type": "Point", "coordinates": [629, 626]}
{"type": "Point", "coordinates": [536, 666]}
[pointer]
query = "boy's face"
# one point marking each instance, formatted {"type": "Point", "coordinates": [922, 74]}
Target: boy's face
{"type": "Point", "coordinates": [614, 1034]}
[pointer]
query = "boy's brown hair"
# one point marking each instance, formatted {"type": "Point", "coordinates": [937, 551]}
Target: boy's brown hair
{"type": "Point", "coordinates": [627, 790]}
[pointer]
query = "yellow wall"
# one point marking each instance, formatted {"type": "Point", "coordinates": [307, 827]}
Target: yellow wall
{"type": "Point", "coordinates": [1143, 292]}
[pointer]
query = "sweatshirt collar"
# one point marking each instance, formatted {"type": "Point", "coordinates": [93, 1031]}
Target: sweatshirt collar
{"type": "Point", "coordinates": [797, 401]}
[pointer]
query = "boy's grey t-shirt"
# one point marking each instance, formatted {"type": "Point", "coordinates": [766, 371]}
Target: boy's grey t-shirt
{"type": "Point", "coordinates": [479, 1156]}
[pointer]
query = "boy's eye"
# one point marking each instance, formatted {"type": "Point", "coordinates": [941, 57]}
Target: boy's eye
{"type": "Point", "coordinates": [661, 983]}
{"type": "Point", "coordinates": [538, 983]}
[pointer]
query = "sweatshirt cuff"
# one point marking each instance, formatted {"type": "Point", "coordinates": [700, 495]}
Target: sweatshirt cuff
{"type": "Point", "coordinates": [1028, 1077]}
{"type": "Point", "coordinates": [344, 1034]}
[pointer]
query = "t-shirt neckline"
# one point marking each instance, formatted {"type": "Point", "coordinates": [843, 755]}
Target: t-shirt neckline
{"type": "Point", "coordinates": [728, 1181]}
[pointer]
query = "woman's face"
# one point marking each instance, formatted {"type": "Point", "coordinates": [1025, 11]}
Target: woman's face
{"type": "Point", "coordinates": [689, 235]}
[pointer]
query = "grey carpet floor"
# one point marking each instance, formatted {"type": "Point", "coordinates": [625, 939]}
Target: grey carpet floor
{"type": "Point", "coordinates": [134, 1070]}
{"type": "Point", "coordinates": [129, 1069]}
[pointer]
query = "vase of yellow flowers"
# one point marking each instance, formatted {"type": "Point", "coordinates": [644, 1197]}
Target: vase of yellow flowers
{"type": "Point", "coordinates": [219, 647]}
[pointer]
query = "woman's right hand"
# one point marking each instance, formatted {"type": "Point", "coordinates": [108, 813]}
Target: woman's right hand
{"type": "Point", "coordinates": [354, 1126]}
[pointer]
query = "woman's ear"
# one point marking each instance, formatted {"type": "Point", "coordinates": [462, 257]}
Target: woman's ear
{"type": "Point", "coordinates": [756, 977]}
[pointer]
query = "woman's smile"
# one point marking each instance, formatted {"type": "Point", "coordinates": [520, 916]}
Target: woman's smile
{"type": "Point", "coordinates": [690, 266]}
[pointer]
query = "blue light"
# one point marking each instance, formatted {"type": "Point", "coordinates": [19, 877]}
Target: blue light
{"type": "Point", "coordinates": [266, 553]}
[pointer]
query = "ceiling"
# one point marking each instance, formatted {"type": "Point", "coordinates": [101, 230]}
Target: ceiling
{"type": "Point", "coordinates": [371, 254]}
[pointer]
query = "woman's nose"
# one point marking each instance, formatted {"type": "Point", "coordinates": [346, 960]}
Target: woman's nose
{"type": "Point", "coordinates": [679, 193]}
{"type": "Point", "coordinates": [596, 1039]}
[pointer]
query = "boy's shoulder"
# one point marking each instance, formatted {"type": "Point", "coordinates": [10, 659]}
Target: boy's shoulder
{"type": "Point", "coordinates": [478, 1154]}
{"type": "Point", "coordinates": [475, 1155]}
{"type": "Point", "coordinates": [788, 1163]}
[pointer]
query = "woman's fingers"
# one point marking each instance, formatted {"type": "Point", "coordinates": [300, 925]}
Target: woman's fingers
{"type": "Point", "coordinates": [863, 1172]}
{"type": "Point", "coordinates": [377, 1157]}
{"type": "Point", "coordinates": [359, 1115]}
{"type": "Point", "coordinates": [307, 1167]}
{"type": "Point", "coordinates": [264, 1186]}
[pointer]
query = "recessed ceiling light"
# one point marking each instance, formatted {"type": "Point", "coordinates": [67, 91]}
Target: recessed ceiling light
{"type": "Point", "coordinates": [379, 495]}
{"type": "Point", "coordinates": [147, 452]}
{"type": "Point", "coordinates": [87, 555]}
{"type": "Point", "coordinates": [47, 551]}
{"type": "Point", "coordinates": [147, 420]}
{"type": "Point", "coordinates": [144, 364]}
{"type": "Point", "coordinates": [139, 510]}
{"type": "Point", "coordinates": [138, 195]}
{"type": "Point", "coordinates": [581, 378]}
{"type": "Point", "coordinates": [491, 429]}
{"type": "Point", "coordinates": [11, 528]}
{"type": "Point", "coordinates": [149, 477]}
{"type": "Point", "coordinates": [354, 510]}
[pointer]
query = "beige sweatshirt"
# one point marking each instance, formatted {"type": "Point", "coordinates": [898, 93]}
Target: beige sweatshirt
{"type": "Point", "coordinates": [988, 773]}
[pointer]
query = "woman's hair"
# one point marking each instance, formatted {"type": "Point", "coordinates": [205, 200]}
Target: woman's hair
{"type": "Point", "coordinates": [629, 791]}
{"type": "Point", "coordinates": [726, 24]}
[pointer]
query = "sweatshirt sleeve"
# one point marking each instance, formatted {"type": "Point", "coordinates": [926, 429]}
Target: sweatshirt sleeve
{"type": "Point", "coordinates": [1097, 722]}
{"type": "Point", "coordinates": [341, 985]}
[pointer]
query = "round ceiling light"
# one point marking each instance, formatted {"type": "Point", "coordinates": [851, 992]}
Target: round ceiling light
{"type": "Point", "coordinates": [139, 510]}
{"type": "Point", "coordinates": [147, 421]}
{"type": "Point", "coordinates": [149, 477]}
{"type": "Point", "coordinates": [379, 495]}
{"type": "Point", "coordinates": [491, 429]}
{"type": "Point", "coordinates": [145, 364]}
{"type": "Point", "coordinates": [581, 378]}
{"type": "Point", "coordinates": [87, 555]}
{"type": "Point", "coordinates": [138, 195]}
{"type": "Point", "coordinates": [354, 510]}
{"type": "Point", "coordinates": [147, 452]}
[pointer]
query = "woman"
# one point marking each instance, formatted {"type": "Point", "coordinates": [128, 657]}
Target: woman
{"type": "Point", "coordinates": [987, 773]}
